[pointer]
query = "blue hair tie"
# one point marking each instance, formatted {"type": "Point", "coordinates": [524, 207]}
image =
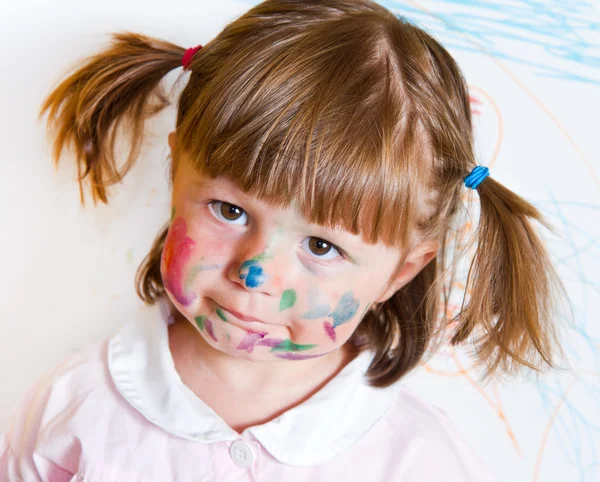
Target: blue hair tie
{"type": "Point", "coordinates": [476, 177]}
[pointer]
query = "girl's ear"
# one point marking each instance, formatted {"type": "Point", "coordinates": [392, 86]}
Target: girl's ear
{"type": "Point", "coordinates": [416, 260]}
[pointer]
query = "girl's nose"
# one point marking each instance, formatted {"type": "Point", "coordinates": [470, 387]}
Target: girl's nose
{"type": "Point", "coordinates": [255, 269]}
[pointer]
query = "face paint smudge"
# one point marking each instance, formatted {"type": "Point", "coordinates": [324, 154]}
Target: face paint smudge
{"type": "Point", "coordinates": [261, 257]}
{"type": "Point", "coordinates": [288, 345]}
{"type": "Point", "coordinates": [250, 339]}
{"type": "Point", "coordinates": [345, 310]}
{"type": "Point", "coordinates": [209, 329]}
{"type": "Point", "coordinates": [176, 253]}
{"type": "Point", "coordinates": [271, 342]}
{"type": "Point", "coordinates": [200, 321]}
{"type": "Point", "coordinates": [295, 356]}
{"type": "Point", "coordinates": [288, 299]}
{"type": "Point", "coordinates": [220, 314]}
{"type": "Point", "coordinates": [253, 273]}
{"type": "Point", "coordinates": [197, 268]}
{"type": "Point", "coordinates": [172, 213]}
{"type": "Point", "coordinates": [316, 309]}
{"type": "Point", "coordinates": [329, 330]}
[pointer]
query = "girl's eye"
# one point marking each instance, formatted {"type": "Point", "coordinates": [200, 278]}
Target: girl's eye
{"type": "Point", "coordinates": [320, 248]}
{"type": "Point", "coordinates": [230, 213]}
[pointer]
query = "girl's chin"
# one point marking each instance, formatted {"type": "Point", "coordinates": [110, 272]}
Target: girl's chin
{"type": "Point", "coordinates": [252, 345]}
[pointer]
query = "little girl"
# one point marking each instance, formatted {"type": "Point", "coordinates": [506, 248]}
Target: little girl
{"type": "Point", "coordinates": [319, 159]}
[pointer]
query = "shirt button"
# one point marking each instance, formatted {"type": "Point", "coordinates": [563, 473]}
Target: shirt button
{"type": "Point", "coordinates": [241, 453]}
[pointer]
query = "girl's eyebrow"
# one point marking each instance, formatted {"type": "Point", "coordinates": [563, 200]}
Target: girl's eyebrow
{"type": "Point", "coordinates": [353, 246]}
{"type": "Point", "coordinates": [217, 185]}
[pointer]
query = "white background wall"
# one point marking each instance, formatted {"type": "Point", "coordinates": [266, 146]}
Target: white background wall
{"type": "Point", "coordinates": [533, 70]}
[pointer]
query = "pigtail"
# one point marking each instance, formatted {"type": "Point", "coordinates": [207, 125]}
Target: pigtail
{"type": "Point", "coordinates": [121, 83]}
{"type": "Point", "coordinates": [400, 346]}
{"type": "Point", "coordinates": [512, 287]}
{"type": "Point", "coordinates": [148, 280]}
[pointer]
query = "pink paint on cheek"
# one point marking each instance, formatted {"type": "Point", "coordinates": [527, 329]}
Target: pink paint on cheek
{"type": "Point", "coordinates": [329, 330]}
{"type": "Point", "coordinates": [176, 253]}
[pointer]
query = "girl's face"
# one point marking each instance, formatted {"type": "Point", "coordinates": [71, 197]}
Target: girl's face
{"type": "Point", "coordinates": [263, 283]}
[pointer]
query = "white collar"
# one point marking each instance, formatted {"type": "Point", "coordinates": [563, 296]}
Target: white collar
{"type": "Point", "coordinates": [330, 421]}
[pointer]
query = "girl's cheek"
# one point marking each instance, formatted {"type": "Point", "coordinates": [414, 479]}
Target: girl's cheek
{"type": "Point", "coordinates": [329, 316]}
{"type": "Point", "coordinates": [177, 252]}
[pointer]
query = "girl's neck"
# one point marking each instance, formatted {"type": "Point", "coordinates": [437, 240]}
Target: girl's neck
{"type": "Point", "coordinates": [244, 392]}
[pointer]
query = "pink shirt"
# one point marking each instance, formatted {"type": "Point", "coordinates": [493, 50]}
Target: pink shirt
{"type": "Point", "coordinates": [118, 412]}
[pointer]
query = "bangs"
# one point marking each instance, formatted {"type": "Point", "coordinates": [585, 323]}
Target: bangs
{"type": "Point", "coordinates": [294, 119]}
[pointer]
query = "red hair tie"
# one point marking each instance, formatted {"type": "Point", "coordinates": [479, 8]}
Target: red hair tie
{"type": "Point", "coordinates": [187, 56]}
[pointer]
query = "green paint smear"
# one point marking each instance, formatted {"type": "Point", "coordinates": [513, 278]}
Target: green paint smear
{"type": "Point", "coordinates": [221, 314]}
{"type": "Point", "coordinates": [261, 257]}
{"type": "Point", "coordinates": [287, 345]}
{"type": "Point", "coordinates": [172, 213]}
{"type": "Point", "coordinates": [192, 274]}
{"type": "Point", "coordinates": [200, 321]}
{"type": "Point", "coordinates": [288, 298]}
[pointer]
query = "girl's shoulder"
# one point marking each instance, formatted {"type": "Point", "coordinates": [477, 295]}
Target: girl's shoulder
{"type": "Point", "coordinates": [68, 394]}
{"type": "Point", "coordinates": [68, 408]}
{"type": "Point", "coordinates": [79, 375]}
{"type": "Point", "coordinates": [425, 433]}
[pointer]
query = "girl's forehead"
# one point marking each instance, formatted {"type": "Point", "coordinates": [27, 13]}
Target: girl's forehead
{"type": "Point", "coordinates": [286, 214]}
{"type": "Point", "coordinates": [283, 208]}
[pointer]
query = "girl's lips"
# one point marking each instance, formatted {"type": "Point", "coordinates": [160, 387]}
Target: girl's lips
{"type": "Point", "coordinates": [242, 317]}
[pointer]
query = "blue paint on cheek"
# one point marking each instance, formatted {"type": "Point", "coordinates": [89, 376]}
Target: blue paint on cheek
{"type": "Point", "coordinates": [318, 311]}
{"type": "Point", "coordinates": [252, 273]}
{"type": "Point", "coordinates": [345, 310]}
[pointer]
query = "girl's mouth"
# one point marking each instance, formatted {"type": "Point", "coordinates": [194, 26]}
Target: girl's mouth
{"type": "Point", "coordinates": [246, 320]}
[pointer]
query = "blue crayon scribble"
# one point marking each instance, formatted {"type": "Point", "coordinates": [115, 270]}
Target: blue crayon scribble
{"type": "Point", "coordinates": [563, 31]}
{"type": "Point", "coordinates": [345, 310]}
{"type": "Point", "coordinates": [252, 272]}
{"type": "Point", "coordinates": [517, 31]}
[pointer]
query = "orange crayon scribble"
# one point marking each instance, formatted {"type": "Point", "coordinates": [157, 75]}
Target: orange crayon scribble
{"type": "Point", "coordinates": [500, 134]}
{"type": "Point", "coordinates": [494, 401]}
{"type": "Point", "coordinates": [495, 404]}
{"type": "Point", "coordinates": [553, 415]}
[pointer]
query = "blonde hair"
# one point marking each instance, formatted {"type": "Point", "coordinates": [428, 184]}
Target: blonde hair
{"type": "Point", "coordinates": [364, 120]}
